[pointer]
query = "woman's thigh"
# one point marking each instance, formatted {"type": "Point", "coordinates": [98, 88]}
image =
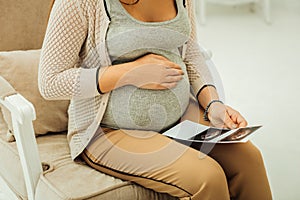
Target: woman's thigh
{"type": "Point", "coordinates": [157, 162]}
{"type": "Point", "coordinates": [244, 168]}
{"type": "Point", "coordinates": [242, 162]}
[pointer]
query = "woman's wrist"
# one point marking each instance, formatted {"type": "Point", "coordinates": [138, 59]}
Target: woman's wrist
{"type": "Point", "coordinates": [206, 95]}
{"type": "Point", "coordinates": [206, 111]}
{"type": "Point", "coordinates": [207, 87]}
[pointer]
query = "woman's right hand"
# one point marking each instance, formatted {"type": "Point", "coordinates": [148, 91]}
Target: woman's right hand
{"type": "Point", "coordinates": [154, 72]}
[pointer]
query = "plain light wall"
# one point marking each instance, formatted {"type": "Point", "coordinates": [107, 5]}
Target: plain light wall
{"type": "Point", "coordinates": [260, 68]}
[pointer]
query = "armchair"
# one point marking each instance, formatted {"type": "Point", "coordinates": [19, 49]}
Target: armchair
{"type": "Point", "coordinates": [52, 181]}
{"type": "Point", "coordinates": [41, 167]}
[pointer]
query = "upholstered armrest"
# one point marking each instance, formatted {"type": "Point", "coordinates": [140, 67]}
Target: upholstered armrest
{"type": "Point", "coordinates": [23, 113]}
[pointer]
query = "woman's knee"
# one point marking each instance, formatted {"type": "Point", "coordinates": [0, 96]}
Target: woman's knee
{"type": "Point", "coordinates": [235, 156]}
{"type": "Point", "coordinates": [213, 178]}
{"type": "Point", "coordinates": [206, 178]}
{"type": "Point", "coordinates": [251, 154]}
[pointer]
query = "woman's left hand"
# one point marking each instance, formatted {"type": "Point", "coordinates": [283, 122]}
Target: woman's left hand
{"type": "Point", "coordinates": [224, 116]}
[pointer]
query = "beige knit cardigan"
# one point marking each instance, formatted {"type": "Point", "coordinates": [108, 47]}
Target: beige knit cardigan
{"type": "Point", "coordinates": [74, 47]}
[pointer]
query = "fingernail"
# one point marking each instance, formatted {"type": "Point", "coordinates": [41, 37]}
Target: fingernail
{"type": "Point", "coordinates": [234, 126]}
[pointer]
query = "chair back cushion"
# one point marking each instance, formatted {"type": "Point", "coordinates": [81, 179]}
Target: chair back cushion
{"type": "Point", "coordinates": [23, 24]}
{"type": "Point", "coordinates": [20, 69]}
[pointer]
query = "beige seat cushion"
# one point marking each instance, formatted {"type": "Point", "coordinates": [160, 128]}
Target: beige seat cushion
{"type": "Point", "coordinates": [20, 69]}
{"type": "Point", "coordinates": [66, 179]}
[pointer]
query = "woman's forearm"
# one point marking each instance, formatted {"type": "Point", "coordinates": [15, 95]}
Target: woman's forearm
{"type": "Point", "coordinates": [151, 71]}
{"type": "Point", "coordinates": [114, 77]}
{"type": "Point", "coordinates": [207, 94]}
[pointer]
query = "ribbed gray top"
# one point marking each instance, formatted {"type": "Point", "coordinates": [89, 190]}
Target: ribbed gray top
{"type": "Point", "coordinates": [128, 39]}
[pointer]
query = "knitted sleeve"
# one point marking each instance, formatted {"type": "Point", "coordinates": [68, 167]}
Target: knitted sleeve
{"type": "Point", "coordinates": [60, 76]}
{"type": "Point", "coordinates": [198, 71]}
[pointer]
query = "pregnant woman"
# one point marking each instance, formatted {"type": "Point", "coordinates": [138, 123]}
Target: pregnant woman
{"type": "Point", "coordinates": [130, 69]}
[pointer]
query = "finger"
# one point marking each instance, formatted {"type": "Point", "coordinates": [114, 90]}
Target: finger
{"type": "Point", "coordinates": [169, 85]}
{"type": "Point", "coordinates": [241, 121]}
{"type": "Point", "coordinates": [236, 117]}
{"type": "Point", "coordinates": [230, 110]}
{"type": "Point", "coordinates": [174, 72]}
{"type": "Point", "coordinates": [229, 123]}
{"type": "Point", "coordinates": [171, 79]}
{"type": "Point", "coordinates": [172, 65]}
{"type": "Point", "coordinates": [243, 124]}
{"type": "Point", "coordinates": [233, 114]}
{"type": "Point", "coordinates": [153, 86]}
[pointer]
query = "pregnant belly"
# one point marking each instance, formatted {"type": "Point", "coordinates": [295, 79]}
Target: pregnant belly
{"type": "Point", "coordinates": [134, 108]}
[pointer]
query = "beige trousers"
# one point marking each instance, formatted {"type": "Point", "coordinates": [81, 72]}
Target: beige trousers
{"type": "Point", "coordinates": [228, 171]}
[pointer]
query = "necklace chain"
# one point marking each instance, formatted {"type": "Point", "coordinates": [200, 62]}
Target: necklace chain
{"type": "Point", "coordinates": [135, 2]}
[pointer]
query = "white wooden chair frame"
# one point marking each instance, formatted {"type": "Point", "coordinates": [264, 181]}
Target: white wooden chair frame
{"type": "Point", "coordinates": [201, 7]}
{"type": "Point", "coordinates": [23, 113]}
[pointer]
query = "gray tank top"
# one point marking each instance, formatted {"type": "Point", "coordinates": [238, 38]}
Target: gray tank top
{"type": "Point", "coordinates": [127, 39]}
